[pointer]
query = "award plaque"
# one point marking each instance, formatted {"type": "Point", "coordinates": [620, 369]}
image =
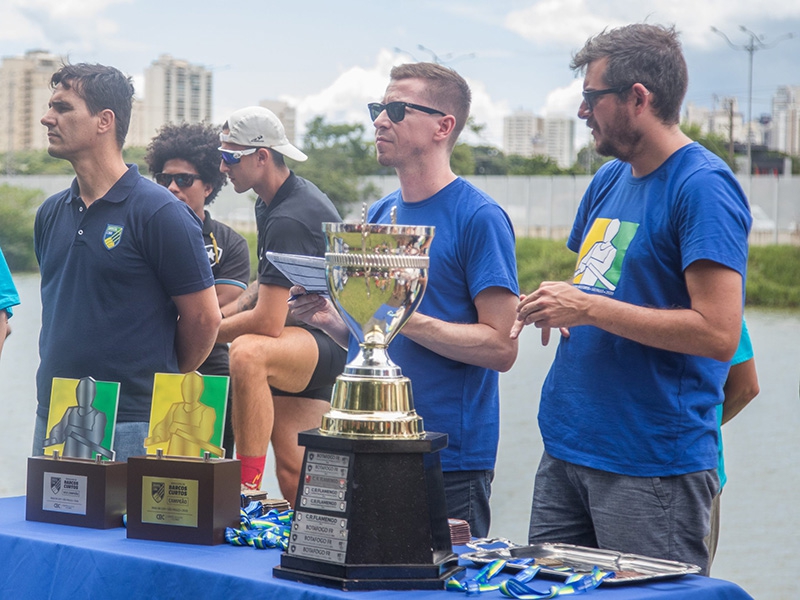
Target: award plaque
{"type": "Point", "coordinates": [74, 491]}
{"type": "Point", "coordinates": [181, 491]}
{"type": "Point", "coordinates": [370, 510]}
{"type": "Point", "coordinates": [182, 499]}
{"type": "Point", "coordinates": [77, 482]}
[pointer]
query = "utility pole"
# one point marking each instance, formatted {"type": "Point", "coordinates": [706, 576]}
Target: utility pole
{"type": "Point", "coordinates": [729, 105]}
{"type": "Point", "coordinates": [756, 43]}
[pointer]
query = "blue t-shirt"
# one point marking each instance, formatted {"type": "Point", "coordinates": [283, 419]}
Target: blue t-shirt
{"type": "Point", "coordinates": [108, 274]}
{"type": "Point", "coordinates": [613, 404]}
{"type": "Point", "coordinates": [472, 250]}
{"type": "Point", "coordinates": [743, 353]}
{"type": "Point", "coordinates": [8, 292]}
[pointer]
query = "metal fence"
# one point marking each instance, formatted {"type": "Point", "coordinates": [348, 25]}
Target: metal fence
{"type": "Point", "coordinates": [545, 206]}
{"type": "Point", "coordinates": [539, 206]}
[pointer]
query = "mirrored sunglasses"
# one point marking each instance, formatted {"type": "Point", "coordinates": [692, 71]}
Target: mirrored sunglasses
{"type": "Point", "coordinates": [182, 180]}
{"type": "Point", "coordinates": [396, 111]}
{"type": "Point", "coordinates": [234, 157]}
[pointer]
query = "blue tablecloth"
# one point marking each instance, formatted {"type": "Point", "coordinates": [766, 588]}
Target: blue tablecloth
{"type": "Point", "coordinates": [41, 560]}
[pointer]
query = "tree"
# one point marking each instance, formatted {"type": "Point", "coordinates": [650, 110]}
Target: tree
{"type": "Point", "coordinates": [17, 211]}
{"type": "Point", "coordinates": [338, 154]}
{"type": "Point", "coordinates": [713, 142]}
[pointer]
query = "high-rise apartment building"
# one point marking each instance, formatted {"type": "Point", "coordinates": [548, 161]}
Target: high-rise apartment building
{"type": "Point", "coordinates": [785, 126]}
{"type": "Point", "coordinates": [287, 114]}
{"type": "Point", "coordinates": [24, 95]}
{"type": "Point", "coordinates": [175, 91]}
{"type": "Point", "coordinates": [525, 134]}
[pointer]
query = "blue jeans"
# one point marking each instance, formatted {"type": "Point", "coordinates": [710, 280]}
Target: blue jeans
{"type": "Point", "coordinates": [128, 438]}
{"type": "Point", "coordinates": [662, 517]}
{"type": "Point", "coordinates": [467, 496]}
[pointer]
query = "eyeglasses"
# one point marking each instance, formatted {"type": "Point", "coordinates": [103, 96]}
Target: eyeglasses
{"type": "Point", "coordinates": [234, 157]}
{"type": "Point", "coordinates": [590, 96]}
{"type": "Point", "coordinates": [182, 180]}
{"type": "Point", "coordinates": [396, 111]}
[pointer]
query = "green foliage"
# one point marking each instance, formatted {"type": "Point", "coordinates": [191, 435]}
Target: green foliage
{"type": "Point", "coordinates": [542, 260]}
{"type": "Point", "coordinates": [135, 155]}
{"type": "Point", "coordinates": [773, 273]}
{"type": "Point", "coordinates": [462, 161]}
{"type": "Point", "coordinates": [713, 142]}
{"type": "Point", "coordinates": [338, 155]}
{"type": "Point", "coordinates": [35, 162]}
{"type": "Point", "coordinates": [534, 165]}
{"type": "Point", "coordinates": [17, 211]}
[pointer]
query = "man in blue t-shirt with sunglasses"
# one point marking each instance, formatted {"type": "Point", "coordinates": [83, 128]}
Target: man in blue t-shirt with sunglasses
{"type": "Point", "coordinates": [653, 311]}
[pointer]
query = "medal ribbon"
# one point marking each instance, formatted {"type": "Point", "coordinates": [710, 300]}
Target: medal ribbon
{"type": "Point", "coordinates": [516, 588]}
{"type": "Point", "coordinates": [259, 530]}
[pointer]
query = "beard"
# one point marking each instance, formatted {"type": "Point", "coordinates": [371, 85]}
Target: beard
{"type": "Point", "coordinates": [617, 139]}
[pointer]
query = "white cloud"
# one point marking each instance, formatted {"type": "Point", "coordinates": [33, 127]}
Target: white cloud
{"type": "Point", "coordinates": [59, 24]}
{"type": "Point", "coordinates": [571, 22]}
{"type": "Point", "coordinates": [345, 99]}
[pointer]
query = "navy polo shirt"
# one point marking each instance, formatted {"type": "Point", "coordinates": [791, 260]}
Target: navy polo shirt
{"type": "Point", "coordinates": [108, 274]}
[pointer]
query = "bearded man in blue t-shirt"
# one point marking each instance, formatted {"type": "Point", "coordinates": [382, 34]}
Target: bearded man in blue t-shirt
{"type": "Point", "coordinates": [628, 410]}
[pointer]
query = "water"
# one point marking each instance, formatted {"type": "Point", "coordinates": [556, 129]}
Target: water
{"type": "Point", "coordinates": [760, 514]}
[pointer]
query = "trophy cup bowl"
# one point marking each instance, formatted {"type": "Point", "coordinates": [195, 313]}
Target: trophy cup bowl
{"type": "Point", "coordinates": [377, 276]}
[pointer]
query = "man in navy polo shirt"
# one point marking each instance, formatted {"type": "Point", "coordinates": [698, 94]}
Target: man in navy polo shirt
{"type": "Point", "coordinates": [127, 290]}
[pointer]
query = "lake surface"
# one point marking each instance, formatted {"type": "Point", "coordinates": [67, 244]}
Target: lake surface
{"type": "Point", "coordinates": [760, 509]}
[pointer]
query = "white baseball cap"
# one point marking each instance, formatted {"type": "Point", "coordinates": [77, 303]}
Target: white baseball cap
{"type": "Point", "coordinates": [257, 126]}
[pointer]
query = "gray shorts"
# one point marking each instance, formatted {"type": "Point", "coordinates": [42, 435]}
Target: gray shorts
{"type": "Point", "coordinates": [662, 517]}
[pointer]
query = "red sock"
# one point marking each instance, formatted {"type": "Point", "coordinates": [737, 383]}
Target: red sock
{"type": "Point", "coordinates": [252, 470]}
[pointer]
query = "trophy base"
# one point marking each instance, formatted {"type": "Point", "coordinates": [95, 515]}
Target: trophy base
{"type": "Point", "coordinates": [73, 491]}
{"type": "Point", "coordinates": [182, 499]}
{"type": "Point", "coordinates": [373, 408]}
{"type": "Point", "coordinates": [369, 515]}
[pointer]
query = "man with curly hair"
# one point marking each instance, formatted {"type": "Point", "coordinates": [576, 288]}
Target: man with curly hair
{"type": "Point", "coordinates": [184, 159]}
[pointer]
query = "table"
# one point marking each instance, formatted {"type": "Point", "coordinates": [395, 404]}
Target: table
{"type": "Point", "coordinates": [42, 560]}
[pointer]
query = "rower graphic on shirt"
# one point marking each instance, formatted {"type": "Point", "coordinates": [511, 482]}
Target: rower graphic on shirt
{"type": "Point", "coordinates": [602, 252]}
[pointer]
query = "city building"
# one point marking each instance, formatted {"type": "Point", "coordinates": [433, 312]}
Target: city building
{"type": "Point", "coordinates": [785, 126]}
{"type": "Point", "coordinates": [175, 91]}
{"type": "Point", "coordinates": [287, 114]}
{"type": "Point", "coordinates": [723, 118]}
{"type": "Point", "coordinates": [24, 96]}
{"type": "Point", "coordinates": [525, 134]}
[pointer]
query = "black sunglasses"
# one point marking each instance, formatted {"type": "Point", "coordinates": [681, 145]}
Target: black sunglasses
{"type": "Point", "coordinates": [396, 111]}
{"type": "Point", "coordinates": [182, 180]}
{"type": "Point", "coordinates": [590, 96]}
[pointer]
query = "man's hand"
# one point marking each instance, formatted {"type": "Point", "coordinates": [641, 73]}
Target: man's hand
{"type": "Point", "coordinates": [554, 304]}
{"type": "Point", "coordinates": [319, 312]}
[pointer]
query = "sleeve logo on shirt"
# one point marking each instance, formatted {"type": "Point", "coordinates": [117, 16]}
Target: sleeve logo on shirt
{"type": "Point", "coordinates": [112, 236]}
{"type": "Point", "coordinates": [602, 253]}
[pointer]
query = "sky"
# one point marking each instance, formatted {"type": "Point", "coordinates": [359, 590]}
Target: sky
{"type": "Point", "coordinates": [332, 57]}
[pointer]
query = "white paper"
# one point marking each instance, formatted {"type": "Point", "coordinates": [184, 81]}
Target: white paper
{"type": "Point", "coordinates": [307, 271]}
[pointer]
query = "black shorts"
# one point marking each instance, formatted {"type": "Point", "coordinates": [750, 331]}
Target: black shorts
{"type": "Point", "coordinates": [330, 364]}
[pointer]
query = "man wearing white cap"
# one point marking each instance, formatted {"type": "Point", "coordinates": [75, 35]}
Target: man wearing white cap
{"type": "Point", "coordinates": [297, 361]}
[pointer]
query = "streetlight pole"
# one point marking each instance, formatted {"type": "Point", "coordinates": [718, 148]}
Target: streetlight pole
{"type": "Point", "coordinates": [756, 43]}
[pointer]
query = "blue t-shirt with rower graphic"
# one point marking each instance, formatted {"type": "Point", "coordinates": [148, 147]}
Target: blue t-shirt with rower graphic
{"type": "Point", "coordinates": [613, 404]}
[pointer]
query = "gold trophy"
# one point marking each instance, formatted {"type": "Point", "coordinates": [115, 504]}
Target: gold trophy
{"type": "Point", "coordinates": [371, 469]}
{"type": "Point", "coordinates": [377, 275]}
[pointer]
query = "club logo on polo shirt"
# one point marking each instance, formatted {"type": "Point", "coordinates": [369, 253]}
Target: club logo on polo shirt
{"type": "Point", "coordinates": [112, 236]}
